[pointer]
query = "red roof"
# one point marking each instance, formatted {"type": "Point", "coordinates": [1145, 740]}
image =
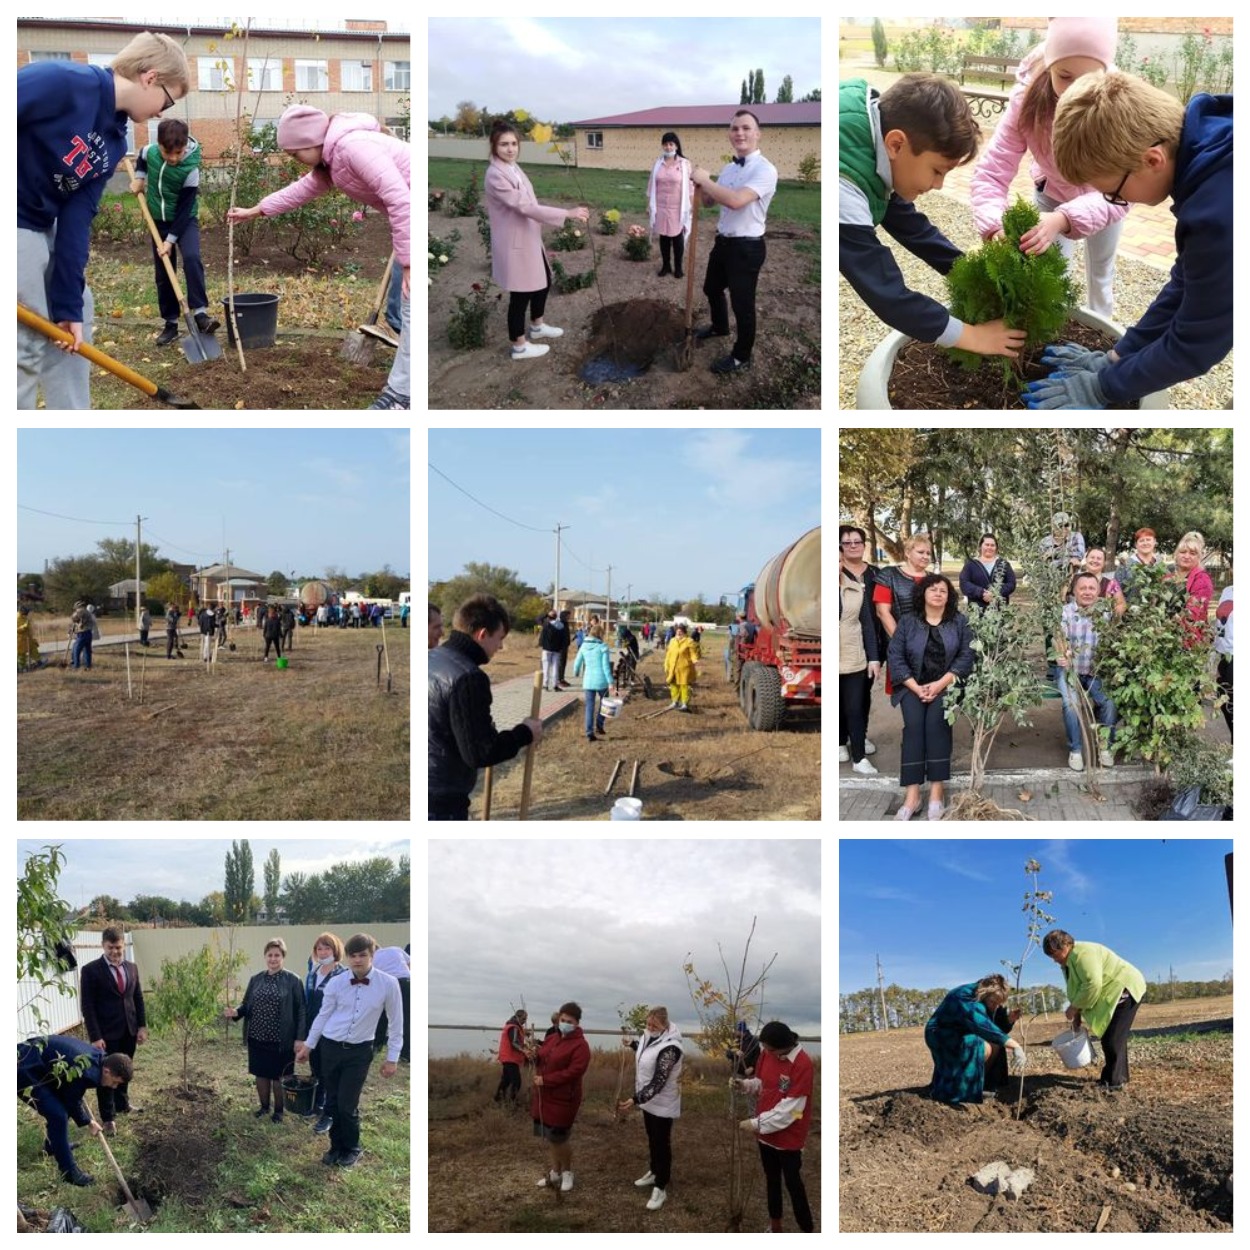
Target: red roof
{"type": "Point", "coordinates": [711, 115]}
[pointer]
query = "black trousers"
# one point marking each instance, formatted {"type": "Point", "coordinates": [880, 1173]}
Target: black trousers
{"type": "Point", "coordinates": [171, 641]}
{"type": "Point", "coordinates": [735, 265]}
{"type": "Point", "coordinates": [927, 741]}
{"type": "Point", "coordinates": [535, 301]}
{"type": "Point", "coordinates": [379, 1038]}
{"type": "Point", "coordinates": [853, 694]}
{"type": "Point", "coordinates": [1115, 1043]}
{"type": "Point", "coordinates": [672, 251]}
{"type": "Point", "coordinates": [276, 644]}
{"type": "Point", "coordinates": [193, 270]}
{"type": "Point", "coordinates": [344, 1068]}
{"type": "Point", "coordinates": [113, 1100]}
{"type": "Point", "coordinates": [785, 1165]}
{"type": "Point", "coordinates": [509, 1082]}
{"type": "Point", "coordinates": [659, 1146]}
{"type": "Point", "coordinates": [321, 1104]}
{"type": "Point", "coordinates": [1224, 675]}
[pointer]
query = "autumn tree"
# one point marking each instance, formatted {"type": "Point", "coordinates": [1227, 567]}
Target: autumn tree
{"type": "Point", "coordinates": [273, 881]}
{"type": "Point", "coordinates": [240, 881]}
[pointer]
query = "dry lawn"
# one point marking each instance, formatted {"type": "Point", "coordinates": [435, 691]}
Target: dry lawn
{"type": "Point", "coordinates": [318, 740]}
{"type": "Point", "coordinates": [484, 1162]}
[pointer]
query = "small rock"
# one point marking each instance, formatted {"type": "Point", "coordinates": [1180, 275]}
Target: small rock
{"type": "Point", "coordinates": [1115, 1174]}
{"type": "Point", "coordinates": [1129, 1187]}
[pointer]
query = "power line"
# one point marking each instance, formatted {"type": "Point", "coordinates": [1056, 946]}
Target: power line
{"type": "Point", "coordinates": [480, 504]}
{"type": "Point", "coordinates": [59, 517]}
{"type": "Point", "coordinates": [207, 555]}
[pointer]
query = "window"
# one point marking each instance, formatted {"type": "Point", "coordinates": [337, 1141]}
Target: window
{"type": "Point", "coordinates": [211, 76]}
{"type": "Point", "coordinates": [594, 138]}
{"type": "Point", "coordinates": [399, 129]}
{"type": "Point", "coordinates": [311, 76]}
{"type": "Point", "coordinates": [398, 76]}
{"type": "Point", "coordinates": [264, 73]}
{"type": "Point", "coordinates": [50, 56]}
{"type": "Point", "coordinates": [357, 76]}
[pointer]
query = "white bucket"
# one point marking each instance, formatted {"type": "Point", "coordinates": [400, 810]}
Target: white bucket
{"type": "Point", "coordinates": [1074, 1048]}
{"type": "Point", "coordinates": [627, 809]}
{"type": "Point", "coordinates": [610, 707]}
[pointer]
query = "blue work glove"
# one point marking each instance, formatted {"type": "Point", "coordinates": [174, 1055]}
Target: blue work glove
{"type": "Point", "coordinates": [1065, 390]}
{"type": "Point", "coordinates": [1073, 358]}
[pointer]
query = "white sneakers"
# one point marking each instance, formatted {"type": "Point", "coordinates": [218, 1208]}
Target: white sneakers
{"type": "Point", "coordinates": [1106, 758]}
{"type": "Point", "coordinates": [566, 1182]}
{"type": "Point", "coordinates": [657, 1200]}
{"type": "Point", "coordinates": [648, 1179]}
{"type": "Point", "coordinates": [864, 767]}
{"type": "Point", "coordinates": [552, 1179]}
{"type": "Point", "coordinates": [1075, 762]}
{"type": "Point", "coordinates": [844, 755]}
{"type": "Point", "coordinates": [545, 331]}
{"type": "Point", "coordinates": [531, 351]}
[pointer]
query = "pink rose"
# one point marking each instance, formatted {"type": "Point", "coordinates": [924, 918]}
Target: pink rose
{"type": "Point", "coordinates": [334, 221]}
{"type": "Point", "coordinates": [358, 216]}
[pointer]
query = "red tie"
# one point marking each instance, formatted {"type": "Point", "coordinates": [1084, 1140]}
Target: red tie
{"type": "Point", "coordinates": [121, 984]}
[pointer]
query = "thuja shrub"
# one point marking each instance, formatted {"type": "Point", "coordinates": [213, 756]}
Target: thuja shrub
{"type": "Point", "coordinates": [1030, 293]}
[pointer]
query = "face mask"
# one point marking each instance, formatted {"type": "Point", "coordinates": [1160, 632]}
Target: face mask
{"type": "Point", "coordinates": [329, 959]}
{"type": "Point", "coordinates": [668, 156]}
{"type": "Point", "coordinates": [566, 1028]}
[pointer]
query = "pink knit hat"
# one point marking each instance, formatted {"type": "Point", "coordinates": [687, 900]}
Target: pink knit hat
{"type": "Point", "coordinates": [1094, 37]}
{"type": "Point", "coordinates": [303, 126]}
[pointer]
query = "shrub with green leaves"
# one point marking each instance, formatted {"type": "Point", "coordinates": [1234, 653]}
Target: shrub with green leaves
{"type": "Point", "coordinates": [1030, 293]}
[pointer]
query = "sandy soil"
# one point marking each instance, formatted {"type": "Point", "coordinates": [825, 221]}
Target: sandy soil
{"type": "Point", "coordinates": [1154, 1158]}
{"type": "Point", "coordinates": [487, 378]}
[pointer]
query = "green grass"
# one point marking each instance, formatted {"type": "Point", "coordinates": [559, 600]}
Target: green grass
{"type": "Point", "coordinates": [796, 203]}
{"type": "Point", "coordinates": [255, 1176]}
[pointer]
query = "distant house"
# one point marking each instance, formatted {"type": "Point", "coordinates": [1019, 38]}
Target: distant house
{"type": "Point", "coordinates": [122, 595]}
{"type": "Point", "coordinates": [222, 583]}
{"type": "Point", "coordinates": [789, 132]}
{"type": "Point", "coordinates": [278, 917]}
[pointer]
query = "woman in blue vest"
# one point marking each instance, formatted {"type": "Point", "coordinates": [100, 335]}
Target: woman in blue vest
{"type": "Point", "coordinates": [657, 1090]}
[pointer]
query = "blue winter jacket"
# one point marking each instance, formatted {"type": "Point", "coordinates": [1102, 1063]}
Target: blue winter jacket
{"type": "Point", "coordinates": [594, 661]}
{"type": "Point", "coordinates": [1189, 327]}
{"type": "Point", "coordinates": [70, 139]}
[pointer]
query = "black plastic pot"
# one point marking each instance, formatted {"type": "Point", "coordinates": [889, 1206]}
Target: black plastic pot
{"type": "Point", "coordinates": [258, 319]}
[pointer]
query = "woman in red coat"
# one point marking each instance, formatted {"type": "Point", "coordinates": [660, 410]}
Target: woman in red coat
{"type": "Point", "coordinates": [783, 1083]}
{"type": "Point", "coordinates": [560, 1063]}
{"type": "Point", "coordinates": [518, 260]}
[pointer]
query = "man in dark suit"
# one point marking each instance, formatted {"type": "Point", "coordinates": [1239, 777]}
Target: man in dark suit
{"type": "Point", "coordinates": [114, 1015]}
{"type": "Point", "coordinates": [53, 1075]}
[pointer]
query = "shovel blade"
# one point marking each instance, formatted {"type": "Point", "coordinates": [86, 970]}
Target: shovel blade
{"type": "Point", "coordinates": [200, 348]}
{"type": "Point", "coordinates": [140, 1210]}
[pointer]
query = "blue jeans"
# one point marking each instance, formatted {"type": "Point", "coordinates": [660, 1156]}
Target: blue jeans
{"type": "Point", "coordinates": [393, 313]}
{"type": "Point", "coordinates": [1104, 708]}
{"type": "Point", "coordinates": [82, 647]}
{"type": "Point", "coordinates": [591, 721]}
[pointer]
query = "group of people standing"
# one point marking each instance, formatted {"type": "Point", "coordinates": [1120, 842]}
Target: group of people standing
{"type": "Point", "coordinates": [779, 1079]}
{"type": "Point", "coordinates": [908, 614]}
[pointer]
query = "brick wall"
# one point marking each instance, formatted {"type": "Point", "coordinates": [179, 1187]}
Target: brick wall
{"type": "Point", "coordinates": [637, 147]}
{"type": "Point", "coordinates": [1144, 25]}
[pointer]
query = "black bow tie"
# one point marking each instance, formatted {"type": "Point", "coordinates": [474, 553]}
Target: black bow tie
{"type": "Point", "coordinates": [360, 980]}
{"type": "Point", "coordinates": [740, 160]}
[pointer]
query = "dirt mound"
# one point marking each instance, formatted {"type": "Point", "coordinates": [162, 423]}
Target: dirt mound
{"type": "Point", "coordinates": [637, 331]}
{"type": "Point", "coordinates": [179, 1148]}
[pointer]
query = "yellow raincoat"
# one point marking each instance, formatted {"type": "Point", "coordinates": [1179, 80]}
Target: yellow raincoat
{"type": "Point", "coordinates": [679, 661]}
{"type": "Point", "coordinates": [27, 647]}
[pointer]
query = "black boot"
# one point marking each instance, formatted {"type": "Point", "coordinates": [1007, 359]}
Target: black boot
{"type": "Point", "coordinates": [168, 334]}
{"type": "Point", "coordinates": [206, 324]}
{"type": "Point", "coordinates": [679, 252]}
{"type": "Point", "coordinates": [666, 248]}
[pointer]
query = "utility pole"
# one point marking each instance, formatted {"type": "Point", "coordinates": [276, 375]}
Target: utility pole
{"type": "Point", "coordinates": [885, 1019]}
{"type": "Point", "coordinates": [607, 621]}
{"type": "Point", "coordinates": [555, 590]}
{"type": "Point", "coordinates": [138, 595]}
{"type": "Point", "coordinates": [629, 586]}
{"type": "Point", "coordinates": [229, 588]}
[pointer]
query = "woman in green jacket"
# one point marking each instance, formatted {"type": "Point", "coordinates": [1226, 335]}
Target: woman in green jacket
{"type": "Point", "coordinates": [1104, 992]}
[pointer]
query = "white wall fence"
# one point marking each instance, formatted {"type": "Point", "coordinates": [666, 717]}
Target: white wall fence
{"type": "Point", "coordinates": [147, 948]}
{"type": "Point", "coordinates": [532, 153]}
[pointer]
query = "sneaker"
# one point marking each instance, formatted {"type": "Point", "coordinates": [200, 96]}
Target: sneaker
{"type": "Point", "coordinates": [864, 767]}
{"type": "Point", "coordinates": [277, 1116]}
{"type": "Point", "coordinates": [1075, 762]}
{"type": "Point", "coordinates": [168, 335]}
{"type": "Point", "coordinates": [710, 332]}
{"type": "Point", "coordinates": [683, 707]}
{"type": "Point", "coordinates": [674, 704]}
{"type": "Point", "coordinates": [657, 1199]}
{"type": "Point", "coordinates": [645, 1180]}
{"type": "Point", "coordinates": [392, 401]}
{"type": "Point", "coordinates": [844, 756]}
{"type": "Point", "coordinates": [545, 331]}
{"type": "Point", "coordinates": [1106, 758]}
{"type": "Point", "coordinates": [109, 1129]}
{"type": "Point", "coordinates": [870, 747]}
{"type": "Point", "coordinates": [531, 351]}
{"type": "Point", "coordinates": [206, 324]}
{"type": "Point", "coordinates": [905, 812]}
{"type": "Point", "coordinates": [324, 1124]}
{"type": "Point", "coordinates": [77, 1177]}
{"type": "Point", "coordinates": [349, 1158]}
{"type": "Point", "coordinates": [330, 1158]}
{"type": "Point", "coordinates": [664, 271]}
{"type": "Point", "coordinates": [260, 1112]}
{"type": "Point", "coordinates": [936, 808]}
{"type": "Point", "coordinates": [730, 364]}
{"type": "Point", "coordinates": [591, 739]}
{"type": "Point", "coordinates": [550, 1181]}
{"type": "Point", "coordinates": [566, 1182]}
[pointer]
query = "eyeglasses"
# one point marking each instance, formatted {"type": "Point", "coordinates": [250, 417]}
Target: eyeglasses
{"type": "Point", "coordinates": [169, 98]}
{"type": "Point", "coordinates": [853, 542]}
{"type": "Point", "coordinates": [1114, 198]}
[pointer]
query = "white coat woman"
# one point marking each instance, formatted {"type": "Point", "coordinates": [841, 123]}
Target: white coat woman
{"type": "Point", "coordinates": [668, 204]}
{"type": "Point", "coordinates": [657, 1091]}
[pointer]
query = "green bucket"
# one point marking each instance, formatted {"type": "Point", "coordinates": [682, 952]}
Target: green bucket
{"type": "Point", "coordinates": [281, 662]}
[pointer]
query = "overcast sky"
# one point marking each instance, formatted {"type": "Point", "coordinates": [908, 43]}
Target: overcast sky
{"type": "Point", "coordinates": [566, 69]}
{"type": "Point", "coordinates": [605, 923]}
{"type": "Point", "coordinates": [191, 868]}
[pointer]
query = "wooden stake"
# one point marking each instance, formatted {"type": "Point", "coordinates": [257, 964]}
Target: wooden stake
{"type": "Point", "coordinates": [143, 668]}
{"type": "Point", "coordinates": [612, 779]}
{"type": "Point", "coordinates": [387, 653]}
{"type": "Point", "coordinates": [535, 707]}
{"type": "Point", "coordinates": [488, 785]}
{"type": "Point", "coordinates": [130, 693]}
{"type": "Point", "coordinates": [633, 781]}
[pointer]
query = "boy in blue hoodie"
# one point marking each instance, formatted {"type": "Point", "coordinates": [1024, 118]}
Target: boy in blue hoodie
{"type": "Point", "coordinates": [71, 134]}
{"type": "Point", "coordinates": [1138, 145]}
{"type": "Point", "coordinates": [169, 171]}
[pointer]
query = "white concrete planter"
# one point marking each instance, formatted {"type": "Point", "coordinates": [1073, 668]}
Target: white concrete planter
{"type": "Point", "coordinates": [874, 380]}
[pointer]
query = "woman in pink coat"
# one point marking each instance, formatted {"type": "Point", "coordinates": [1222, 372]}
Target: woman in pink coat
{"type": "Point", "coordinates": [518, 260]}
{"type": "Point", "coordinates": [350, 151]}
{"type": "Point", "coordinates": [668, 197]}
{"type": "Point", "coordinates": [1074, 46]}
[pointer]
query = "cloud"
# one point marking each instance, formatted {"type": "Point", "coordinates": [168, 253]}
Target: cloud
{"type": "Point", "coordinates": [888, 893]}
{"type": "Point", "coordinates": [1057, 856]}
{"type": "Point", "coordinates": [342, 477]}
{"type": "Point", "coordinates": [737, 474]}
{"type": "Point", "coordinates": [529, 38]}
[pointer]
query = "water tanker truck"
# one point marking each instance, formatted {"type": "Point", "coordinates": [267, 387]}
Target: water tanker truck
{"type": "Point", "coordinates": [775, 652]}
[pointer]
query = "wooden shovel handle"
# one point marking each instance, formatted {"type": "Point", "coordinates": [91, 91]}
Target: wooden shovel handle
{"type": "Point", "coordinates": [535, 708]}
{"type": "Point", "coordinates": [694, 235]}
{"type": "Point", "coordinates": [115, 367]}
{"type": "Point", "coordinates": [130, 1198]}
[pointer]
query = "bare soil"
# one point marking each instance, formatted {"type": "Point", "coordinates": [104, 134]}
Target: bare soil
{"type": "Point", "coordinates": [1155, 1157]}
{"type": "Point", "coordinates": [788, 326]}
{"type": "Point", "coordinates": [702, 765]}
{"type": "Point", "coordinates": [926, 376]}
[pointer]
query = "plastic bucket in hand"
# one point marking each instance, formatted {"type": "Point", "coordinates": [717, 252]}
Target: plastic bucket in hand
{"type": "Point", "coordinates": [297, 1092]}
{"type": "Point", "coordinates": [627, 809]}
{"type": "Point", "coordinates": [257, 316]}
{"type": "Point", "coordinates": [610, 707]}
{"type": "Point", "coordinates": [1074, 1048]}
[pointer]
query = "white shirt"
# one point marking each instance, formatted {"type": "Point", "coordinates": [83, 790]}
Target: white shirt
{"type": "Point", "coordinates": [392, 959]}
{"type": "Point", "coordinates": [760, 175]}
{"type": "Point", "coordinates": [350, 1013]}
{"type": "Point", "coordinates": [1224, 629]}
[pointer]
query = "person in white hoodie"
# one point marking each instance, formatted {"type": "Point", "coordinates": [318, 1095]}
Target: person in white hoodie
{"type": "Point", "coordinates": [657, 1091]}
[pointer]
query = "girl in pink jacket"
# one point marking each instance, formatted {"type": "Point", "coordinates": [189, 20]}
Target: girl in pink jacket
{"type": "Point", "coordinates": [349, 151]}
{"type": "Point", "coordinates": [1074, 46]}
{"type": "Point", "coordinates": [518, 260]}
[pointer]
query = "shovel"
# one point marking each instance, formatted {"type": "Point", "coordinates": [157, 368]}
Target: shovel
{"type": "Point", "coordinates": [136, 1206]}
{"type": "Point", "coordinates": [196, 347]}
{"type": "Point", "coordinates": [685, 353]}
{"type": "Point", "coordinates": [359, 349]}
{"type": "Point", "coordinates": [97, 357]}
